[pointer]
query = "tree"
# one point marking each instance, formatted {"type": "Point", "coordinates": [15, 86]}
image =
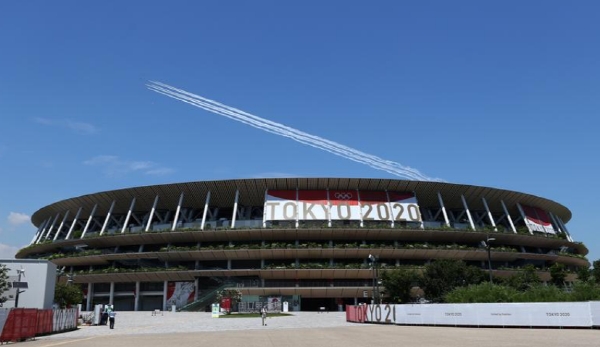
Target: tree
{"type": "Point", "coordinates": [442, 276]}
{"type": "Point", "coordinates": [584, 274]}
{"type": "Point", "coordinates": [596, 271]}
{"type": "Point", "coordinates": [525, 279]}
{"type": "Point", "coordinates": [67, 295]}
{"type": "Point", "coordinates": [399, 283]}
{"type": "Point", "coordinates": [558, 273]}
{"type": "Point", "coordinates": [4, 283]}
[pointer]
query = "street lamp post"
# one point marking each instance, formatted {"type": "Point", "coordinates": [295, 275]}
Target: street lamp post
{"type": "Point", "coordinates": [373, 260]}
{"type": "Point", "coordinates": [20, 272]}
{"type": "Point", "coordinates": [488, 247]}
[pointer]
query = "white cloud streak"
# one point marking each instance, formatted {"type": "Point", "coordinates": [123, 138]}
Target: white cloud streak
{"type": "Point", "coordinates": [16, 218]}
{"type": "Point", "coordinates": [78, 127]}
{"type": "Point", "coordinates": [114, 166]}
{"type": "Point", "coordinates": [285, 131]}
{"type": "Point", "coordinates": [81, 127]}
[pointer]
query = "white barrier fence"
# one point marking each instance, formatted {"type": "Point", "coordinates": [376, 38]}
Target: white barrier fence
{"type": "Point", "coordinates": [554, 314]}
{"type": "Point", "coordinates": [65, 319]}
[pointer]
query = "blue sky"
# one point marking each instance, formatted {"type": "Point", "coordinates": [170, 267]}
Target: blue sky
{"type": "Point", "coordinates": [499, 94]}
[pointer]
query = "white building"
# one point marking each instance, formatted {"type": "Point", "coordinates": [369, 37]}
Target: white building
{"type": "Point", "coordinates": [40, 279]}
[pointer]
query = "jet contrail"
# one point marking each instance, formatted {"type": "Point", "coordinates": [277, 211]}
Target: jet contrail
{"type": "Point", "coordinates": [174, 92]}
{"type": "Point", "coordinates": [282, 130]}
{"type": "Point", "coordinates": [301, 139]}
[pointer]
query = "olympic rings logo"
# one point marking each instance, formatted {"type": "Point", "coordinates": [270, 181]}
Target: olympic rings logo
{"type": "Point", "coordinates": [343, 196]}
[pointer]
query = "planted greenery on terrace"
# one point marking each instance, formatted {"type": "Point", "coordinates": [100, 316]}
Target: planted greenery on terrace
{"type": "Point", "coordinates": [309, 245]}
{"type": "Point", "coordinates": [326, 245]}
{"type": "Point", "coordinates": [335, 224]}
{"type": "Point", "coordinates": [110, 270]}
{"type": "Point", "coordinates": [72, 255]}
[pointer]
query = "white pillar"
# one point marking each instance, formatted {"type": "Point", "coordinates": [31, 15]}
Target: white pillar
{"type": "Point", "coordinates": [37, 234]}
{"type": "Point", "coordinates": [265, 210]}
{"type": "Point", "coordinates": [73, 223]}
{"type": "Point", "coordinates": [235, 208]}
{"type": "Point", "coordinates": [61, 225]}
{"type": "Point", "coordinates": [564, 227]}
{"type": "Point", "coordinates": [555, 223]}
{"type": "Point", "coordinates": [51, 226]}
{"type": "Point", "coordinates": [48, 221]}
{"type": "Point", "coordinates": [87, 224]}
{"type": "Point", "coordinates": [464, 201]}
{"type": "Point", "coordinates": [112, 206]}
{"type": "Point", "coordinates": [489, 213]}
{"type": "Point", "coordinates": [151, 214]}
{"type": "Point", "coordinates": [128, 216]}
{"type": "Point", "coordinates": [205, 210]}
{"type": "Point", "coordinates": [177, 212]}
{"type": "Point", "coordinates": [443, 209]}
{"type": "Point", "coordinates": [508, 217]}
{"type": "Point", "coordinates": [524, 216]}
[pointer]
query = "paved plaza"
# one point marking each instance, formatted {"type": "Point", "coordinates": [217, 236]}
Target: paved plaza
{"type": "Point", "coordinates": [300, 329]}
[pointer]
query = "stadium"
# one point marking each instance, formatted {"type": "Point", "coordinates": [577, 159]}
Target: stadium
{"type": "Point", "coordinates": [309, 242]}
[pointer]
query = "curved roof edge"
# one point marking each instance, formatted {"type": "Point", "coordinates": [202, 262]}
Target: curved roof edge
{"type": "Point", "coordinates": [252, 192]}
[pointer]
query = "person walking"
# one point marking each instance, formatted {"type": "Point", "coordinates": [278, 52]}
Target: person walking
{"type": "Point", "coordinates": [111, 318]}
{"type": "Point", "coordinates": [263, 314]}
{"type": "Point", "coordinates": [104, 315]}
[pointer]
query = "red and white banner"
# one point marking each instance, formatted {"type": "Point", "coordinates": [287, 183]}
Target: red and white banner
{"type": "Point", "coordinates": [180, 293]}
{"type": "Point", "coordinates": [344, 205]}
{"type": "Point", "coordinates": [537, 219]}
{"type": "Point", "coordinates": [226, 304]}
{"type": "Point", "coordinates": [341, 205]}
{"type": "Point", "coordinates": [382, 206]}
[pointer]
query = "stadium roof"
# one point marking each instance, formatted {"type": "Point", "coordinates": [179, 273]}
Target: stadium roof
{"type": "Point", "coordinates": [252, 193]}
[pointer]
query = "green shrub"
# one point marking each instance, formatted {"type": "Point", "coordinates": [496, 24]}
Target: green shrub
{"type": "Point", "coordinates": [542, 293]}
{"type": "Point", "coordinates": [485, 292]}
{"type": "Point", "coordinates": [585, 291]}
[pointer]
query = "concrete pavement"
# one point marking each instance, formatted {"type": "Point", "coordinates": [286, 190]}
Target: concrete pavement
{"type": "Point", "coordinates": [301, 329]}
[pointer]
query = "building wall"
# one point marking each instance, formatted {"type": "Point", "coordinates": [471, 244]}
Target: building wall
{"type": "Point", "coordinates": [40, 276]}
